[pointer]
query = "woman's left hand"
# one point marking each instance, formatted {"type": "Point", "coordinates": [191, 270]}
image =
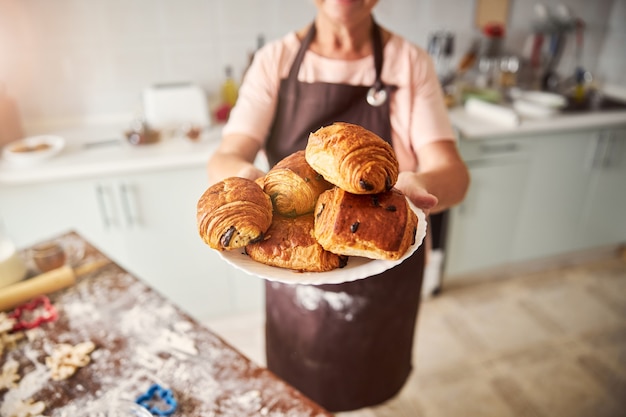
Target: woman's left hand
{"type": "Point", "coordinates": [410, 184]}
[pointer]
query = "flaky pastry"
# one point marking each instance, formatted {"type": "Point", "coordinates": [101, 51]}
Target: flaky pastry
{"type": "Point", "coordinates": [352, 158]}
{"type": "Point", "coordinates": [294, 186]}
{"type": "Point", "coordinates": [289, 243]}
{"type": "Point", "coordinates": [232, 213]}
{"type": "Point", "coordinates": [377, 226]}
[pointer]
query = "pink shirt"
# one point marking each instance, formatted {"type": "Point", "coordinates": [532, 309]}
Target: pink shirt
{"type": "Point", "coordinates": [418, 112]}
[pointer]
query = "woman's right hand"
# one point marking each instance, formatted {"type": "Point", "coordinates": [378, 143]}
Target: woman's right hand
{"type": "Point", "coordinates": [250, 172]}
{"type": "Point", "coordinates": [234, 158]}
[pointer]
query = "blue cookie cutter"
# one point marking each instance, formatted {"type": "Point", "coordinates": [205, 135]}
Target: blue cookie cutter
{"type": "Point", "coordinates": [156, 395]}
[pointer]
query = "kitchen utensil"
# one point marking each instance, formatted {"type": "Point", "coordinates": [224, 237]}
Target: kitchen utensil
{"type": "Point", "coordinates": [48, 256]}
{"type": "Point", "coordinates": [168, 106]}
{"type": "Point", "coordinates": [46, 283]}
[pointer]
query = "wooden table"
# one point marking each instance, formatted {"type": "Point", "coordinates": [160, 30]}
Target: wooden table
{"type": "Point", "coordinates": [141, 339]}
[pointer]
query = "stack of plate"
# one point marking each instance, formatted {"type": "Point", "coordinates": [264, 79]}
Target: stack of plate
{"type": "Point", "coordinates": [538, 104]}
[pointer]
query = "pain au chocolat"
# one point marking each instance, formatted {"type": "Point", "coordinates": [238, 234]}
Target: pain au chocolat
{"type": "Point", "coordinates": [233, 213]}
{"type": "Point", "coordinates": [352, 158]}
{"type": "Point", "coordinates": [294, 186]}
{"type": "Point", "coordinates": [289, 243]}
{"type": "Point", "coordinates": [376, 226]}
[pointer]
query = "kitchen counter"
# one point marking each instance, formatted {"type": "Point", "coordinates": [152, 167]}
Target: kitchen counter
{"type": "Point", "coordinates": [471, 127]}
{"type": "Point", "coordinates": [99, 150]}
{"type": "Point", "coordinates": [140, 339]}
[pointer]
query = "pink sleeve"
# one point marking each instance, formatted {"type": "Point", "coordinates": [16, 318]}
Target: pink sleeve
{"type": "Point", "coordinates": [254, 111]}
{"type": "Point", "coordinates": [429, 115]}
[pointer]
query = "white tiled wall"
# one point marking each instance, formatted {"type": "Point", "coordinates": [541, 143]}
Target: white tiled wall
{"type": "Point", "coordinates": [67, 59]}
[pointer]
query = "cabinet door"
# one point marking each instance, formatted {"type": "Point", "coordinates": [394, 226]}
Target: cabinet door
{"type": "Point", "coordinates": [165, 249]}
{"type": "Point", "coordinates": [33, 213]}
{"type": "Point", "coordinates": [552, 207]}
{"type": "Point", "coordinates": [483, 226]}
{"type": "Point", "coordinates": [605, 208]}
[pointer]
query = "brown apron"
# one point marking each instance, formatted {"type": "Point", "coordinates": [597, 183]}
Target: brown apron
{"type": "Point", "coordinates": [346, 346]}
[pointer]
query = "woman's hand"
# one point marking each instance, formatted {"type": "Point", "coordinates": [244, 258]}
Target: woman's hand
{"type": "Point", "coordinates": [234, 158]}
{"type": "Point", "coordinates": [409, 183]}
{"type": "Point", "coordinates": [250, 172]}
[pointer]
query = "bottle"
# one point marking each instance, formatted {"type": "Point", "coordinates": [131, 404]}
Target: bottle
{"type": "Point", "coordinates": [10, 121]}
{"type": "Point", "coordinates": [229, 88]}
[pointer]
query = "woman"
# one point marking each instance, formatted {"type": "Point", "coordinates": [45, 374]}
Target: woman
{"type": "Point", "coordinates": [348, 345]}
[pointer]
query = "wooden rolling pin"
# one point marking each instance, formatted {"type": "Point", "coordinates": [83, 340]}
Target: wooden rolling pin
{"type": "Point", "coordinates": [46, 283]}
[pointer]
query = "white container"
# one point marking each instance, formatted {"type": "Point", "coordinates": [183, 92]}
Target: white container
{"type": "Point", "coordinates": [12, 267]}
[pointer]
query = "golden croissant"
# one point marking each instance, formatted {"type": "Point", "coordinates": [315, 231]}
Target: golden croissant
{"type": "Point", "coordinates": [289, 243]}
{"type": "Point", "coordinates": [294, 186]}
{"type": "Point", "coordinates": [233, 213]}
{"type": "Point", "coordinates": [352, 158]}
{"type": "Point", "coordinates": [376, 226]}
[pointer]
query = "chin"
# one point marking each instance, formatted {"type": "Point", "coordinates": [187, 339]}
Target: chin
{"type": "Point", "coordinates": [345, 11]}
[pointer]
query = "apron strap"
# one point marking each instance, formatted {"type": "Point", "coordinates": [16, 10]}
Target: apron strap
{"type": "Point", "coordinates": [377, 46]}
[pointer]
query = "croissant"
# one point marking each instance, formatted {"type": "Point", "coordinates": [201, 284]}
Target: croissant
{"type": "Point", "coordinates": [352, 158]}
{"type": "Point", "coordinates": [377, 226]}
{"type": "Point", "coordinates": [289, 243]}
{"type": "Point", "coordinates": [294, 186]}
{"type": "Point", "coordinates": [232, 213]}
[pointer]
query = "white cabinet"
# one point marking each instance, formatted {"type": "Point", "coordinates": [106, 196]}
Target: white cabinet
{"type": "Point", "coordinates": [146, 223]}
{"type": "Point", "coordinates": [481, 229]}
{"type": "Point", "coordinates": [605, 203]}
{"type": "Point", "coordinates": [538, 196]}
{"type": "Point", "coordinates": [552, 210]}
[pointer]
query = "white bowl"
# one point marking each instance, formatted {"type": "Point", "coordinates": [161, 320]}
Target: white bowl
{"type": "Point", "coordinates": [33, 149]}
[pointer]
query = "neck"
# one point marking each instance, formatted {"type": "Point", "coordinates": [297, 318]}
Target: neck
{"type": "Point", "coordinates": [342, 41]}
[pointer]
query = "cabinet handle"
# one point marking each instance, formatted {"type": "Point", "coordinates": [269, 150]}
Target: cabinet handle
{"type": "Point", "coordinates": [107, 218]}
{"type": "Point", "coordinates": [609, 152]}
{"type": "Point", "coordinates": [597, 154]}
{"type": "Point", "coordinates": [498, 148]}
{"type": "Point", "coordinates": [128, 205]}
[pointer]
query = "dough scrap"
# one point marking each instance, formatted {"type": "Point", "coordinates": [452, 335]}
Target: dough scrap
{"type": "Point", "coordinates": [6, 323]}
{"type": "Point", "coordinates": [66, 359]}
{"type": "Point", "coordinates": [8, 340]}
{"type": "Point", "coordinates": [9, 375]}
{"type": "Point", "coordinates": [28, 408]}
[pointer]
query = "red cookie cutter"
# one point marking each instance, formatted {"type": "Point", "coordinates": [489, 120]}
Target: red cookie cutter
{"type": "Point", "coordinates": [46, 313]}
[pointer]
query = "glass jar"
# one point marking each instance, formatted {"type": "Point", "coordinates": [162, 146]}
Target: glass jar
{"type": "Point", "coordinates": [48, 256]}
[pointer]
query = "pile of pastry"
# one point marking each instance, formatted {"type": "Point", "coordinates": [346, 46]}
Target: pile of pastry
{"type": "Point", "coordinates": [315, 208]}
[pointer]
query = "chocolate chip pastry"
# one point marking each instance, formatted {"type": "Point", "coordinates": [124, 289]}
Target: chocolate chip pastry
{"type": "Point", "coordinates": [353, 158]}
{"type": "Point", "coordinates": [375, 226]}
{"type": "Point", "coordinates": [233, 213]}
{"type": "Point", "coordinates": [289, 243]}
{"type": "Point", "coordinates": [294, 186]}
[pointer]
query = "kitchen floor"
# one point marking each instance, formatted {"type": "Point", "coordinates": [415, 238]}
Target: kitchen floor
{"type": "Point", "coordinates": [539, 345]}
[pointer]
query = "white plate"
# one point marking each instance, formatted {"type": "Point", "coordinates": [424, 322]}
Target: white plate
{"type": "Point", "coordinates": [357, 267]}
{"type": "Point", "coordinates": [50, 146]}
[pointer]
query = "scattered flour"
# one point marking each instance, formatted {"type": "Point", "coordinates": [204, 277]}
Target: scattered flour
{"type": "Point", "coordinates": [310, 297]}
{"type": "Point", "coordinates": [149, 341]}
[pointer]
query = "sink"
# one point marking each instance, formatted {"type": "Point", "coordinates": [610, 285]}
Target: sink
{"type": "Point", "coordinates": [593, 104]}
